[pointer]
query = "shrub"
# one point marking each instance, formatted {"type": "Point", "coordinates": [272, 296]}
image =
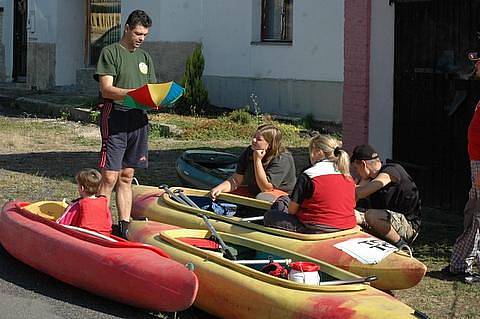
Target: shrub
{"type": "Point", "coordinates": [195, 96]}
{"type": "Point", "coordinates": [308, 121]}
{"type": "Point", "coordinates": [241, 116]}
{"type": "Point", "coordinates": [158, 130]}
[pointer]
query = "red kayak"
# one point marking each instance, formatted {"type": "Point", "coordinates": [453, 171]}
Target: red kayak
{"type": "Point", "coordinates": [132, 273]}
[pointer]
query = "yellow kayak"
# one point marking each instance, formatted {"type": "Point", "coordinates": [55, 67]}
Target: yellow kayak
{"type": "Point", "coordinates": [396, 271]}
{"type": "Point", "coordinates": [237, 289]}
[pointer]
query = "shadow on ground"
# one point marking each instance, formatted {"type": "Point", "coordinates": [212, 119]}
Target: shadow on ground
{"type": "Point", "coordinates": [19, 274]}
{"type": "Point", "coordinates": [64, 165]}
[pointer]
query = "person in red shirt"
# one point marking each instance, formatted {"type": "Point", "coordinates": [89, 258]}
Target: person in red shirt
{"type": "Point", "coordinates": [89, 211]}
{"type": "Point", "coordinates": [466, 250]}
{"type": "Point", "coordinates": [323, 199]}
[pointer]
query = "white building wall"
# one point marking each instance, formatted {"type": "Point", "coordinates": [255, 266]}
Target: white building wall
{"type": "Point", "coordinates": [69, 53]}
{"type": "Point", "coordinates": [381, 78]}
{"type": "Point", "coordinates": [7, 36]}
{"type": "Point", "coordinates": [42, 26]}
{"type": "Point", "coordinates": [298, 79]}
{"type": "Point", "coordinates": [227, 29]}
{"type": "Point", "coordinates": [173, 20]}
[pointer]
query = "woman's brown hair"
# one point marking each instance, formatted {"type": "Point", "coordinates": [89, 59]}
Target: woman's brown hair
{"type": "Point", "coordinates": [273, 136]}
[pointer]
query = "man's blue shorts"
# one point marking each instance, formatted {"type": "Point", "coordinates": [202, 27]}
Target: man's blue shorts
{"type": "Point", "coordinates": [124, 138]}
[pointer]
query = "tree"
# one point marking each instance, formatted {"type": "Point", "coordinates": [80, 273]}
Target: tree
{"type": "Point", "coordinates": [195, 96]}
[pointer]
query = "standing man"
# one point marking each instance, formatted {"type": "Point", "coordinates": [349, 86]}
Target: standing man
{"type": "Point", "coordinates": [121, 68]}
{"type": "Point", "coordinates": [466, 250]}
{"type": "Point", "coordinates": [394, 211]}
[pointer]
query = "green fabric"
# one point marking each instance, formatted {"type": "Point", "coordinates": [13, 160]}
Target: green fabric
{"type": "Point", "coordinates": [124, 66]}
{"type": "Point", "coordinates": [130, 102]}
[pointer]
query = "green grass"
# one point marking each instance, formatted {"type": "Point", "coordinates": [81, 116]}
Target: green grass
{"type": "Point", "coordinates": [39, 158]}
{"type": "Point", "coordinates": [225, 127]}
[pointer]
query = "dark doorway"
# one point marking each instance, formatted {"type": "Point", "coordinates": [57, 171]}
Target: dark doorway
{"type": "Point", "coordinates": [19, 73]}
{"type": "Point", "coordinates": [435, 95]}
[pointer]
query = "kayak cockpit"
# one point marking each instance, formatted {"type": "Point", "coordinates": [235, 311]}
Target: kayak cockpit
{"type": "Point", "coordinates": [50, 210]}
{"type": "Point", "coordinates": [247, 212]}
{"type": "Point", "coordinates": [251, 257]}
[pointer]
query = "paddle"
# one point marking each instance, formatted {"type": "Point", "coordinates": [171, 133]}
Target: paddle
{"type": "Point", "coordinates": [183, 199]}
{"type": "Point", "coordinates": [186, 198]}
{"type": "Point", "coordinates": [262, 261]}
{"type": "Point", "coordinates": [349, 281]}
{"type": "Point", "coordinates": [172, 195]}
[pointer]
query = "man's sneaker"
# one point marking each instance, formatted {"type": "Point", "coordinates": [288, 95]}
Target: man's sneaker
{"type": "Point", "coordinates": [454, 275]}
{"type": "Point", "coordinates": [123, 228]}
{"type": "Point", "coordinates": [472, 279]}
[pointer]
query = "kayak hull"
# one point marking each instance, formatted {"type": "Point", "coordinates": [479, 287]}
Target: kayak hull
{"type": "Point", "coordinates": [229, 290]}
{"type": "Point", "coordinates": [204, 169]}
{"type": "Point", "coordinates": [135, 274]}
{"type": "Point", "coordinates": [396, 271]}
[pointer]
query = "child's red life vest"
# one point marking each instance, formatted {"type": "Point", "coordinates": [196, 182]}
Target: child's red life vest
{"type": "Point", "coordinates": [94, 214]}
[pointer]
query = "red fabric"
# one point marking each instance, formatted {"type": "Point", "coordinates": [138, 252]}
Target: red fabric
{"type": "Point", "coordinates": [276, 270]}
{"type": "Point", "coordinates": [94, 214]}
{"type": "Point", "coordinates": [304, 266]}
{"type": "Point", "coordinates": [69, 214]}
{"type": "Point", "coordinates": [243, 191]}
{"type": "Point", "coordinates": [331, 204]}
{"type": "Point", "coordinates": [474, 135]}
{"type": "Point", "coordinates": [200, 243]}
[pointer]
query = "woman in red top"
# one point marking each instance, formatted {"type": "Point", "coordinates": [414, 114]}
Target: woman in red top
{"type": "Point", "coordinates": [89, 211]}
{"type": "Point", "coordinates": [323, 199]}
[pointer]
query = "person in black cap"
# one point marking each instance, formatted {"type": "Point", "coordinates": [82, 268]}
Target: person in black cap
{"type": "Point", "coordinates": [394, 205]}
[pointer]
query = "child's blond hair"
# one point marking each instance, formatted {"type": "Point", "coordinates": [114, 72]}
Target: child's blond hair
{"type": "Point", "coordinates": [90, 180]}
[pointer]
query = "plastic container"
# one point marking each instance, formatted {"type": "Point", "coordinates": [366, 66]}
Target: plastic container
{"type": "Point", "coordinates": [304, 272]}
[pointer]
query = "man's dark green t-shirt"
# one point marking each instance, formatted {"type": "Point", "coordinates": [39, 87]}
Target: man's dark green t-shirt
{"type": "Point", "coordinates": [130, 69]}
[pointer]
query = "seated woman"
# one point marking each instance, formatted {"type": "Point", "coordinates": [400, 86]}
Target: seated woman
{"type": "Point", "coordinates": [264, 167]}
{"type": "Point", "coordinates": [323, 199]}
{"type": "Point", "coordinates": [89, 211]}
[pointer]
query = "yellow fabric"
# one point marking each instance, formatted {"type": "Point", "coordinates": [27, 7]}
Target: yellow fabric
{"type": "Point", "coordinates": [159, 91]}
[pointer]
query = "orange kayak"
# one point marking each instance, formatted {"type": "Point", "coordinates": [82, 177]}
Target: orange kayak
{"type": "Point", "coordinates": [237, 288]}
{"type": "Point", "coordinates": [132, 273]}
{"type": "Point", "coordinates": [395, 271]}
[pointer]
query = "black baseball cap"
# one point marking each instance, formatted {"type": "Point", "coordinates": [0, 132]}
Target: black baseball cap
{"type": "Point", "coordinates": [363, 152]}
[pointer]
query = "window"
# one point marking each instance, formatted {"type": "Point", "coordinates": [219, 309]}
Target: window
{"type": "Point", "coordinates": [104, 26]}
{"type": "Point", "coordinates": [277, 20]}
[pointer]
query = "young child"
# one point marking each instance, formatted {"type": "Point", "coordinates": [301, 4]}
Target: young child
{"type": "Point", "coordinates": [89, 211]}
{"type": "Point", "coordinates": [264, 166]}
{"type": "Point", "coordinates": [323, 199]}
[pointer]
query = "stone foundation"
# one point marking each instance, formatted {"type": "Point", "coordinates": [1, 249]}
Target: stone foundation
{"type": "Point", "coordinates": [41, 65]}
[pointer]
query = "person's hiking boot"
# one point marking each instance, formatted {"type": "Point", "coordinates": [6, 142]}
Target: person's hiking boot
{"type": "Point", "coordinates": [123, 228]}
{"type": "Point", "coordinates": [455, 275]}
{"type": "Point", "coordinates": [472, 279]}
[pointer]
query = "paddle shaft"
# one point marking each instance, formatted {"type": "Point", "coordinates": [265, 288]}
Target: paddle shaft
{"type": "Point", "coordinates": [181, 199]}
{"type": "Point", "coordinates": [173, 195]}
{"type": "Point", "coordinates": [248, 219]}
{"type": "Point", "coordinates": [349, 281]}
{"type": "Point", "coordinates": [187, 199]}
{"type": "Point", "coordinates": [262, 261]}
